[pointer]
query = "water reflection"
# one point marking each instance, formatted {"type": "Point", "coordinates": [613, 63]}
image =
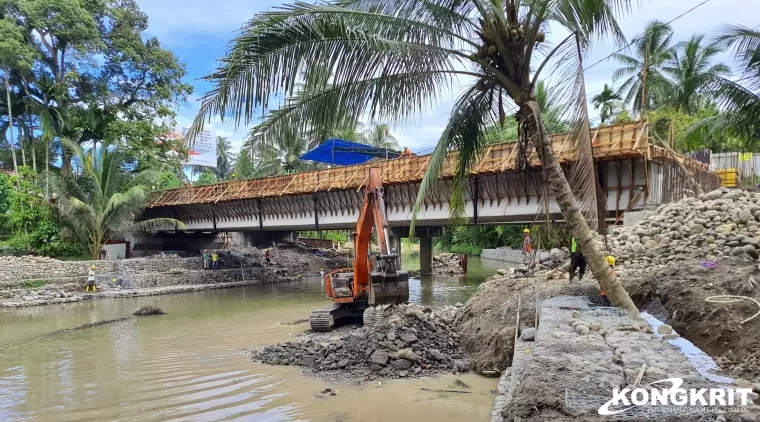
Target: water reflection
{"type": "Point", "coordinates": [189, 364]}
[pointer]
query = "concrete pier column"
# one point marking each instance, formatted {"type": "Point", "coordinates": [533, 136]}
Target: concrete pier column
{"type": "Point", "coordinates": [426, 255]}
{"type": "Point", "coordinates": [426, 235]}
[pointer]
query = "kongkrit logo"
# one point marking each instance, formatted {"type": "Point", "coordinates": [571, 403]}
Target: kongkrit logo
{"type": "Point", "coordinates": [673, 396]}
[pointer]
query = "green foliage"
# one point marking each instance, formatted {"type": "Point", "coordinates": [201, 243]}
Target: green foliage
{"type": "Point", "coordinates": [336, 236]}
{"type": "Point", "coordinates": [6, 190]}
{"type": "Point", "coordinates": [607, 102]}
{"type": "Point", "coordinates": [33, 284]}
{"type": "Point", "coordinates": [167, 180]}
{"type": "Point", "coordinates": [225, 158]}
{"type": "Point", "coordinates": [33, 224]}
{"type": "Point", "coordinates": [473, 239]}
{"type": "Point", "coordinates": [206, 178]}
{"type": "Point", "coordinates": [106, 200]}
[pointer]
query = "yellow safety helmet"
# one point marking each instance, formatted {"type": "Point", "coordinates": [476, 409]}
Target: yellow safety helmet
{"type": "Point", "coordinates": [611, 260]}
{"type": "Point", "coordinates": [321, 269]}
{"type": "Point", "coordinates": [92, 267]}
{"type": "Point", "coordinates": [526, 231]}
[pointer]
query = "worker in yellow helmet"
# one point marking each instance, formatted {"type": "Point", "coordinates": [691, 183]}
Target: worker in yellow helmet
{"type": "Point", "coordinates": [611, 261]}
{"type": "Point", "coordinates": [91, 280]}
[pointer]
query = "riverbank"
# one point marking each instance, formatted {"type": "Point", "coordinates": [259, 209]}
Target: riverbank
{"type": "Point", "coordinates": [34, 281]}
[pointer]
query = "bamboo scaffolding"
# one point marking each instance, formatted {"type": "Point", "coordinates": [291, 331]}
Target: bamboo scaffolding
{"type": "Point", "coordinates": [616, 141]}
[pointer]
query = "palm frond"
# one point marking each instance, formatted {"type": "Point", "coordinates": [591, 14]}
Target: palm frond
{"type": "Point", "coordinates": [465, 133]}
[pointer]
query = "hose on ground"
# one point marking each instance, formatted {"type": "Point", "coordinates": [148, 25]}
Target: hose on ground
{"type": "Point", "coordinates": [734, 299]}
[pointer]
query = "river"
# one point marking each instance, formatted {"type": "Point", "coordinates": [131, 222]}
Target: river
{"type": "Point", "coordinates": [191, 364]}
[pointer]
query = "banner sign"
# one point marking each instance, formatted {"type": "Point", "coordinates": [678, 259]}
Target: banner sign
{"type": "Point", "coordinates": [203, 151]}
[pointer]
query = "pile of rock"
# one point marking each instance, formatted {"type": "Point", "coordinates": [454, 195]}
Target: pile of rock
{"type": "Point", "coordinates": [43, 294]}
{"type": "Point", "coordinates": [718, 224]}
{"type": "Point", "coordinates": [447, 263]}
{"type": "Point", "coordinates": [164, 256]}
{"type": "Point", "coordinates": [407, 340]}
{"type": "Point", "coordinates": [25, 260]}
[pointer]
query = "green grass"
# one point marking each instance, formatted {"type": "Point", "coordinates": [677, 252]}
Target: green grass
{"type": "Point", "coordinates": [33, 284]}
{"type": "Point", "coordinates": [465, 249]}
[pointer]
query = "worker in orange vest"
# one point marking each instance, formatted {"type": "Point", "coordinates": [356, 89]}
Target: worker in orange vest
{"type": "Point", "coordinates": [405, 153]}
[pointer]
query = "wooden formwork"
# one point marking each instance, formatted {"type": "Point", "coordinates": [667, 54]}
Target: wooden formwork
{"type": "Point", "coordinates": [610, 142]}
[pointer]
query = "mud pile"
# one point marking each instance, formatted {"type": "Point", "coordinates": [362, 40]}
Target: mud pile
{"type": "Point", "coordinates": [719, 224]}
{"type": "Point", "coordinates": [447, 263]}
{"type": "Point", "coordinates": [488, 321]}
{"type": "Point", "coordinates": [405, 341]}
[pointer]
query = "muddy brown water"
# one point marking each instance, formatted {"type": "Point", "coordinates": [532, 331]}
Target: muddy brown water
{"type": "Point", "coordinates": [191, 365]}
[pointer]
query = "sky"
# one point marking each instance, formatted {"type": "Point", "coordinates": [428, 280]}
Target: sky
{"type": "Point", "coordinates": [198, 32]}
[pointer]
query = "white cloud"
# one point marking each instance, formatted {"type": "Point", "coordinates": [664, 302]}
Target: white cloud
{"type": "Point", "coordinates": [194, 20]}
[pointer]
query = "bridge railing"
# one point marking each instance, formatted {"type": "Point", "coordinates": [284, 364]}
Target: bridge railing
{"type": "Point", "coordinates": [621, 140]}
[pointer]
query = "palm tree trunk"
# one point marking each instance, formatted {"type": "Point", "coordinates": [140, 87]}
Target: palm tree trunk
{"type": "Point", "coordinates": [572, 214]}
{"type": "Point", "coordinates": [10, 118]}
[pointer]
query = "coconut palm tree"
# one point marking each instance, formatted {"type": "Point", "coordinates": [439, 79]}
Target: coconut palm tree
{"type": "Point", "coordinates": [379, 135]}
{"type": "Point", "coordinates": [389, 59]}
{"type": "Point", "coordinates": [654, 46]}
{"type": "Point", "coordinates": [692, 72]}
{"type": "Point", "coordinates": [606, 101]}
{"type": "Point", "coordinates": [105, 201]}
{"type": "Point", "coordinates": [225, 158]}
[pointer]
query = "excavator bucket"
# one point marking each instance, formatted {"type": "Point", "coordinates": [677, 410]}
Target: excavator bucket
{"type": "Point", "coordinates": [385, 288]}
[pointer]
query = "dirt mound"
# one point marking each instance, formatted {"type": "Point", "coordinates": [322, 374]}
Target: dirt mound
{"type": "Point", "coordinates": [714, 328]}
{"type": "Point", "coordinates": [487, 322]}
{"type": "Point", "coordinates": [404, 341]}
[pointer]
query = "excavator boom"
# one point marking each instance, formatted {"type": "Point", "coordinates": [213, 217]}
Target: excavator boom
{"type": "Point", "coordinates": [375, 277]}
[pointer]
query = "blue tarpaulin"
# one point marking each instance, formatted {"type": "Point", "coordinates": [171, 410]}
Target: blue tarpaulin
{"type": "Point", "coordinates": [344, 153]}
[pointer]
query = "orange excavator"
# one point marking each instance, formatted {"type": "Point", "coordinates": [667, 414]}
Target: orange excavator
{"type": "Point", "coordinates": [375, 278]}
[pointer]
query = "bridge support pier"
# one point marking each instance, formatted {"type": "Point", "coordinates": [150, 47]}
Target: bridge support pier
{"type": "Point", "coordinates": [426, 235]}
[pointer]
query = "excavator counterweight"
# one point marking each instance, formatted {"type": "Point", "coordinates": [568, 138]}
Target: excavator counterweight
{"type": "Point", "coordinates": [375, 278]}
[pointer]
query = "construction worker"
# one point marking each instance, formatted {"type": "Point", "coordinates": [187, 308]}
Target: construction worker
{"type": "Point", "coordinates": [405, 153]}
{"type": "Point", "coordinates": [214, 261]}
{"type": "Point", "coordinates": [527, 247]}
{"type": "Point", "coordinates": [322, 273]}
{"type": "Point", "coordinates": [611, 261]}
{"type": "Point", "coordinates": [268, 256]}
{"type": "Point", "coordinates": [577, 261]}
{"type": "Point", "coordinates": [206, 259]}
{"type": "Point", "coordinates": [91, 280]}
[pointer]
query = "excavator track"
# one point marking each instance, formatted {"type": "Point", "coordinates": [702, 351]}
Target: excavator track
{"type": "Point", "coordinates": [325, 319]}
{"type": "Point", "coordinates": [322, 320]}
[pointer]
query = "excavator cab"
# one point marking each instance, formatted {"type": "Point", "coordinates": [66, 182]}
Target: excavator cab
{"type": "Point", "coordinates": [375, 278]}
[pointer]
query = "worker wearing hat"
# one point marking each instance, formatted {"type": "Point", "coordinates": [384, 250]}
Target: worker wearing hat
{"type": "Point", "coordinates": [322, 273]}
{"type": "Point", "coordinates": [527, 247]}
{"type": "Point", "coordinates": [611, 261]}
{"type": "Point", "coordinates": [91, 280]}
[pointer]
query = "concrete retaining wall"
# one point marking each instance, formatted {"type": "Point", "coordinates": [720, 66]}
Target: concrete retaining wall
{"type": "Point", "coordinates": [505, 254]}
{"type": "Point", "coordinates": [19, 269]}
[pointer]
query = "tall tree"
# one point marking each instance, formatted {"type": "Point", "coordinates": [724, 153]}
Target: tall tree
{"type": "Point", "coordinates": [390, 58]}
{"type": "Point", "coordinates": [15, 55]}
{"type": "Point", "coordinates": [606, 101]}
{"type": "Point", "coordinates": [225, 158]}
{"type": "Point", "coordinates": [379, 135]}
{"type": "Point", "coordinates": [692, 70]}
{"type": "Point", "coordinates": [653, 47]}
{"type": "Point", "coordinates": [739, 99]}
{"type": "Point", "coordinates": [106, 200]}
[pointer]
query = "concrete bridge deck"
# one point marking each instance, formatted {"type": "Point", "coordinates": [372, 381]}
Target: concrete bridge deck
{"type": "Point", "coordinates": [633, 174]}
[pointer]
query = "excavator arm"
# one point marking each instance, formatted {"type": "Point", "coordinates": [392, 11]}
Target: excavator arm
{"type": "Point", "coordinates": [375, 277]}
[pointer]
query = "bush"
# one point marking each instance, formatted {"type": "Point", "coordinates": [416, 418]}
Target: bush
{"type": "Point", "coordinates": [33, 284]}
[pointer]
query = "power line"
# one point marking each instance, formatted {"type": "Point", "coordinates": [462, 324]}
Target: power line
{"type": "Point", "coordinates": [644, 35]}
